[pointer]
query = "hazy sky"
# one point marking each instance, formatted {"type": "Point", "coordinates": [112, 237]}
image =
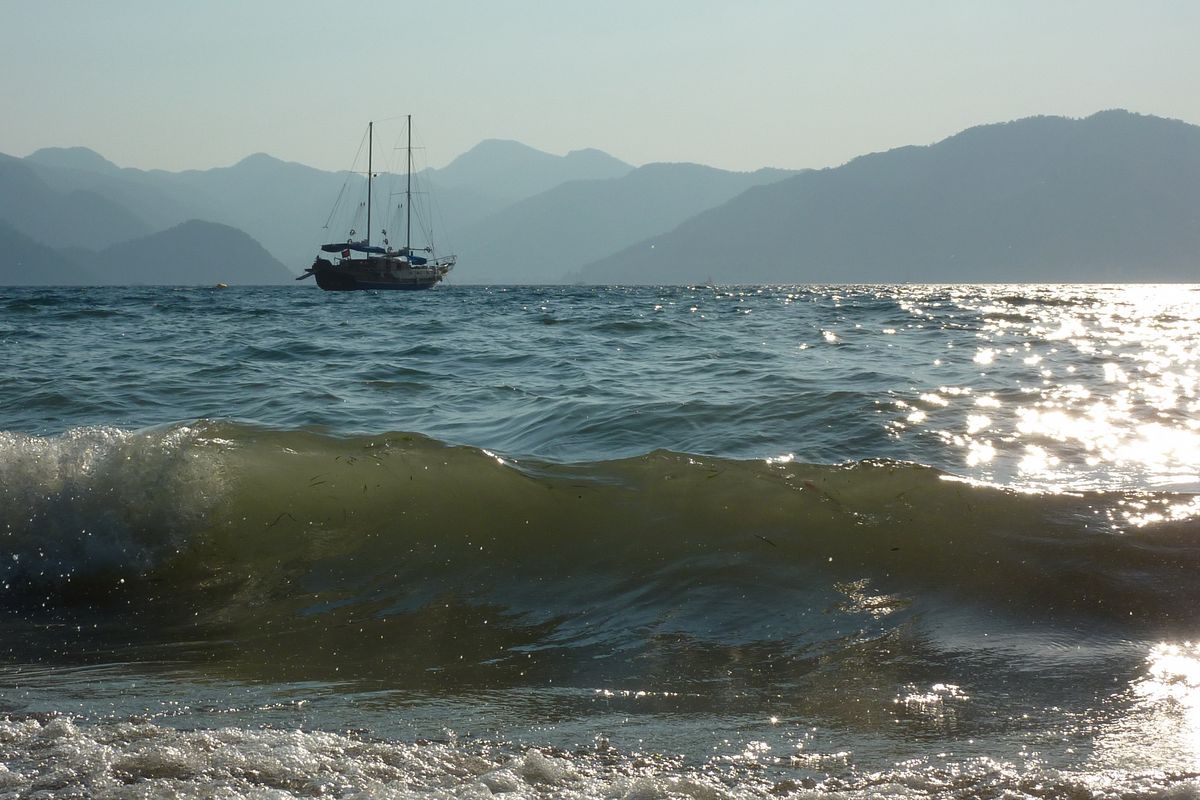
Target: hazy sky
{"type": "Point", "coordinates": [736, 84]}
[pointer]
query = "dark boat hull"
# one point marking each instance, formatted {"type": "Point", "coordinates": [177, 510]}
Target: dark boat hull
{"type": "Point", "coordinates": [376, 275]}
{"type": "Point", "coordinates": [341, 283]}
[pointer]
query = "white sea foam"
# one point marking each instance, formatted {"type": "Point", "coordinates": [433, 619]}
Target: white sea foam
{"type": "Point", "coordinates": [101, 497]}
{"type": "Point", "coordinates": [59, 758]}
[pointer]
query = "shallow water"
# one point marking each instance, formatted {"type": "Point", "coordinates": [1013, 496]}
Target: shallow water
{"type": "Point", "coordinates": [600, 542]}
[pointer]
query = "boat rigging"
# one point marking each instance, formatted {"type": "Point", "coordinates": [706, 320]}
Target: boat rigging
{"type": "Point", "coordinates": [361, 265]}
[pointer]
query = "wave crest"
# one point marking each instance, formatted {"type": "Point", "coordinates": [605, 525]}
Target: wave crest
{"type": "Point", "coordinates": [245, 529]}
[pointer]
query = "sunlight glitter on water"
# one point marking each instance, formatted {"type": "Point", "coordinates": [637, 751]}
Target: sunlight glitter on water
{"type": "Point", "coordinates": [1090, 388]}
{"type": "Point", "coordinates": [1162, 726]}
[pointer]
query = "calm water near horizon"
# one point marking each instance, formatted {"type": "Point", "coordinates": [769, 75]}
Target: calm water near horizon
{"type": "Point", "coordinates": [848, 541]}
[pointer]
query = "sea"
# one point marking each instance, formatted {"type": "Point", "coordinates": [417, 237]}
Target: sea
{"type": "Point", "coordinates": [600, 542]}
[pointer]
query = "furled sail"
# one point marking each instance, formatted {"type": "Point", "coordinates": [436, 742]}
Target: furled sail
{"type": "Point", "coordinates": [357, 247]}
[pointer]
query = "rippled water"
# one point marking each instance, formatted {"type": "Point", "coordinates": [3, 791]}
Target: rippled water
{"type": "Point", "coordinates": [600, 542]}
{"type": "Point", "coordinates": [1071, 387]}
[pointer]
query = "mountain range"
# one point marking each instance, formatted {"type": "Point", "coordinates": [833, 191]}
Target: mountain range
{"type": "Point", "coordinates": [1111, 197]}
{"type": "Point", "coordinates": [190, 253]}
{"type": "Point", "coordinates": [1114, 197]}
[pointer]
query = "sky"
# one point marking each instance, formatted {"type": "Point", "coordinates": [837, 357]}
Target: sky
{"type": "Point", "coordinates": [175, 84]}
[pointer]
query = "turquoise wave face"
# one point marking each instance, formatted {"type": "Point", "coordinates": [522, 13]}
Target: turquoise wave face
{"type": "Point", "coordinates": [399, 557]}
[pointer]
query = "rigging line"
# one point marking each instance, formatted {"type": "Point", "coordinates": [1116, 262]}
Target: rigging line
{"type": "Point", "coordinates": [334, 210]}
{"type": "Point", "coordinates": [430, 216]}
{"type": "Point", "coordinates": [350, 172]}
{"type": "Point", "coordinates": [426, 226]}
{"type": "Point", "coordinates": [358, 154]}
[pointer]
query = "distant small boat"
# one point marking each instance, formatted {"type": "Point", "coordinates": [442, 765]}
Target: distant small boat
{"type": "Point", "coordinates": [362, 265]}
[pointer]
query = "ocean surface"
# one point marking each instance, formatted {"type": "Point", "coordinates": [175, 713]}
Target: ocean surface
{"type": "Point", "coordinates": [577, 542]}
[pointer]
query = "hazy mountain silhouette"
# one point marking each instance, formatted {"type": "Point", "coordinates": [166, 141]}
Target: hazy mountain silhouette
{"type": "Point", "coordinates": [510, 171]}
{"type": "Point", "coordinates": [543, 238]}
{"type": "Point", "coordinates": [284, 205]}
{"type": "Point", "coordinates": [281, 204]}
{"type": "Point", "coordinates": [1114, 197]}
{"type": "Point", "coordinates": [157, 203]}
{"type": "Point", "coordinates": [192, 253]}
{"type": "Point", "coordinates": [80, 158]}
{"type": "Point", "coordinates": [25, 262]}
{"type": "Point", "coordinates": [86, 226]}
{"type": "Point", "coordinates": [55, 218]}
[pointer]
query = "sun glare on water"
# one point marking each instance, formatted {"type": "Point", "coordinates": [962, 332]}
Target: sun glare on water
{"type": "Point", "coordinates": [1070, 388]}
{"type": "Point", "coordinates": [1161, 728]}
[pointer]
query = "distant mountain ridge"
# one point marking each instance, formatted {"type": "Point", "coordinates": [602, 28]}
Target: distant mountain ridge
{"type": "Point", "coordinates": [73, 158]}
{"type": "Point", "coordinates": [24, 262]}
{"type": "Point", "coordinates": [75, 198]}
{"type": "Point", "coordinates": [544, 238]}
{"type": "Point", "coordinates": [66, 217]}
{"type": "Point", "coordinates": [191, 253]}
{"type": "Point", "coordinates": [514, 171]}
{"type": "Point", "coordinates": [1113, 197]}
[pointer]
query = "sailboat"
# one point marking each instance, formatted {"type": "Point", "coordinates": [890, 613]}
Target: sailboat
{"type": "Point", "coordinates": [360, 264]}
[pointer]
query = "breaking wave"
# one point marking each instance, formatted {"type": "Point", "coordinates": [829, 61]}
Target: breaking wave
{"type": "Point", "coordinates": [396, 552]}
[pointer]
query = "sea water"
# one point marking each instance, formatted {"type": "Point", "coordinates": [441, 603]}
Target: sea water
{"type": "Point", "coordinates": [697, 542]}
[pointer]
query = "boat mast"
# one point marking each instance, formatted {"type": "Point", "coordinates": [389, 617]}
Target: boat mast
{"type": "Point", "coordinates": [408, 197]}
{"type": "Point", "coordinates": [370, 133]}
